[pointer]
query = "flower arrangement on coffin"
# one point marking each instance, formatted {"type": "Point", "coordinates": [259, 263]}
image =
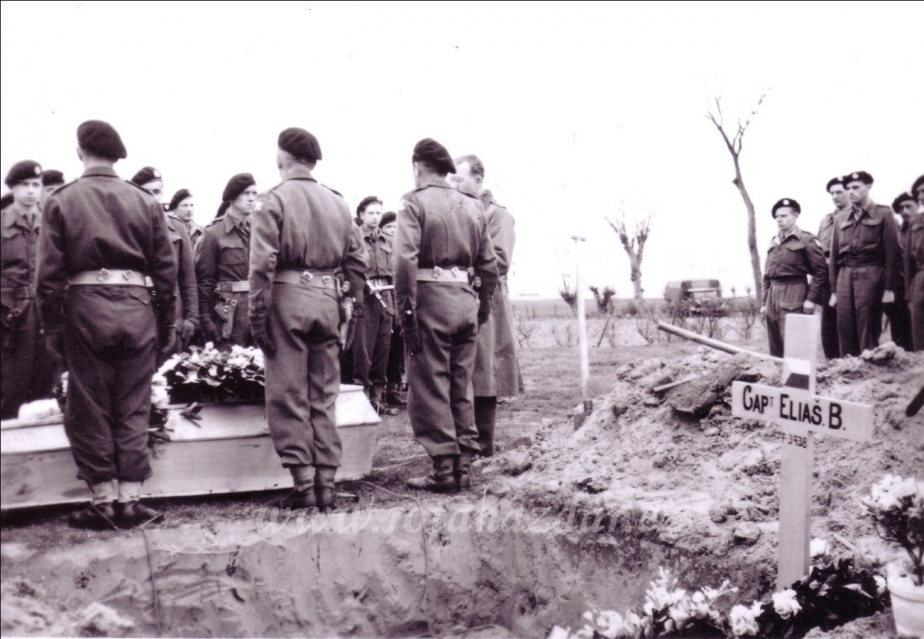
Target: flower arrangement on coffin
{"type": "Point", "coordinates": [209, 375]}
{"type": "Point", "coordinates": [896, 506]}
{"type": "Point", "coordinates": [828, 597]}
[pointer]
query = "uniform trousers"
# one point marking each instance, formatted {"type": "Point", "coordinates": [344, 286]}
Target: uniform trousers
{"type": "Point", "coordinates": [829, 341]}
{"type": "Point", "coordinates": [916, 306]}
{"type": "Point", "coordinates": [371, 344]}
{"type": "Point", "coordinates": [23, 364]}
{"type": "Point", "coordinates": [110, 346]}
{"type": "Point", "coordinates": [239, 303]}
{"type": "Point", "coordinates": [439, 376]}
{"type": "Point", "coordinates": [303, 375]}
{"type": "Point", "coordinates": [782, 299]}
{"type": "Point", "coordinates": [859, 308]}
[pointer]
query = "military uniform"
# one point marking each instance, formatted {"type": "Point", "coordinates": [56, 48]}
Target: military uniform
{"type": "Point", "coordinates": [865, 259]}
{"type": "Point", "coordinates": [914, 277]}
{"type": "Point", "coordinates": [187, 294]}
{"type": "Point", "coordinates": [789, 261]}
{"type": "Point", "coordinates": [196, 233]}
{"type": "Point", "coordinates": [303, 246]}
{"type": "Point", "coordinates": [373, 330]}
{"type": "Point", "coordinates": [496, 373]}
{"type": "Point", "coordinates": [100, 237]}
{"type": "Point", "coordinates": [441, 234]}
{"type": "Point", "coordinates": [22, 358]}
{"type": "Point", "coordinates": [829, 341]}
{"type": "Point", "coordinates": [221, 272]}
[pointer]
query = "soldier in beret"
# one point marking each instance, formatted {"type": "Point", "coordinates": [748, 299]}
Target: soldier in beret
{"type": "Point", "coordinates": [442, 233]}
{"type": "Point", "coordinates": [905, 207]}
{"type": "Point", "coordinates": [183, 206]}
{"type": "Point", "coordinates": [306, 264]}
{"type": "Point", "coordinates": [396, 384]}
{"type": "Point", "coordinates": [101, 237]}
{"type": "Point", "coordinates": [793, 256]}
{"type": "Point", "coordinates": [187, 294]}
{"type": "Point", "coordinates": [496, 373]}
{"type": "Point", "coordinates": [221, 267]}
{"type": "Point", "coordinates": [838, 193]}
{"type": "Point", "coordinates": [865, 266]}
{"type": "Point", "coordinates": [21, 370]}
{"type": "Point", "coordinates": [914, 266]}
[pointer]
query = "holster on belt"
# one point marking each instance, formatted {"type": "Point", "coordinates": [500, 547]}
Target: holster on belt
{"type": "Point", "coordinates": [376, 292]}
{"type": "Point", "coordinates": [230, 312]}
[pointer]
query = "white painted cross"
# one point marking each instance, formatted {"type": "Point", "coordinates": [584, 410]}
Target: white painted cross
{"type": "Point", "coordinates": [799, 413]}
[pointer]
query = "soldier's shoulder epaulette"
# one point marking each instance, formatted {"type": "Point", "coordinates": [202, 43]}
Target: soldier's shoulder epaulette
{"type": "Point", "coordinates": [214, 222]}
{"type": "Point", "coordinates": [173, 216]}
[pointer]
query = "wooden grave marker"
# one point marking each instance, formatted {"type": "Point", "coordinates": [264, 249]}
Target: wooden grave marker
{"type": "Point", "coordinates": [799, 414]}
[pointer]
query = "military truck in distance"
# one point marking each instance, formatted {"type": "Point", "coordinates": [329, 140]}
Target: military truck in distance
{"type": "Point", "coordinates": [701, 295]}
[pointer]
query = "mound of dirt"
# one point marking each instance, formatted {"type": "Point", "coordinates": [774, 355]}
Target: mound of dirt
{"type": "Point", "coordinates": [675, 467]}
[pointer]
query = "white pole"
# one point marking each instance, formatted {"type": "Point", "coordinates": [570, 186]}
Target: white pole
{"type": "Point", "coordinates": [582, 330]}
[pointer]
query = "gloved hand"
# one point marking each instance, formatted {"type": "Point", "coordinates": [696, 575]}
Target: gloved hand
{"type": "Point", "coordinates": [187, 329]}
{"type": "Point", "coordinates": [261, 336]}
{"type": "Point", "coordinates": [411, 333]}
{"type": "Point", "coordinates": [209, 331]}
{"type": "Point", "coordinates": [484, 312]}
{"type": "Point", "coordinates": [54, 346]}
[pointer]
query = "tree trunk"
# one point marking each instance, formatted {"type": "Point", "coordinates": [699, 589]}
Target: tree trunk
{"type": "Point", "coordinates": [752, 230]}
{"type": "Point", "coordinates": [636, 271]}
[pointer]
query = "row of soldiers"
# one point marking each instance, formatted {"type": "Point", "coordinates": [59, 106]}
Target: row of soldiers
{"type": "Point", "coordinates": [862, 264]}
{"type": "Point", "coordinates": [110, 283]}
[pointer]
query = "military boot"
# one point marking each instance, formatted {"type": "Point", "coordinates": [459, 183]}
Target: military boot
{"type": "Point", "coordinates": [303, 493]}
{"type": "Point", "coordinates": [94, 517]}
{"type": "Point", "coordinates": [376, 398]}
{"type": "Point", "coordinates": [461, 470]}
{"type": "Point", "coordinates": [133, 513]}
{"type": "Point", "coordinates": [324, 487]}
{"type": "Point", "coordinates": [440, 480]}
{"type": "Point", "coordinates": [394, 397]}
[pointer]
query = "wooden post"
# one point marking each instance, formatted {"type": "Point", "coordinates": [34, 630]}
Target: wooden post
{"type": "Point", "coordinates": [582, 335]}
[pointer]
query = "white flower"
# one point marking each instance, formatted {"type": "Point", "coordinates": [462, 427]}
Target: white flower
{"type": "Point", "coordinates": [609, 624]}
{"type": "Point", "coordinates": [700, 604]}
{"type": "Point", "coordinates": [743, 621]}
{"type": "Point", "coordinates": [159, 396]}
{"type": "Point", "coordinates": [633, 623]}
{"type": "Point", "coordinates": [785, 603]}
{"type": "Point", "coordinates": [559, 633]}
{"type": "Point", "coordinates": [584, 633]}
{"type": "Point", "coordinates": [679, 614]}
{"type": "Point", "coordinates": [880, 585]}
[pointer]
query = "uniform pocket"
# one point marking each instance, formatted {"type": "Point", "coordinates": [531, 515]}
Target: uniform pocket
{"type": "Point", "coordinates": [232, 255]}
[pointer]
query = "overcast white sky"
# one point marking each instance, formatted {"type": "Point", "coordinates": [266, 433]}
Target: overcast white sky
{"type": "Point", "coordinates": [573, 107]}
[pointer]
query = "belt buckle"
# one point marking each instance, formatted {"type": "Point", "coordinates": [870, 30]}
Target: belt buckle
{"type": "Point", "coordinates": [437, 272]}
{"type": "Point", "coordinates": [233, 302]}
{"type": "Point", "coordinates": [127, 275]}
{"type": "Point", "coordinates": [455, 271]}
{"type": "Point", "coordinates": [307, 276]}
{"type": "Point", "coordinates": [326, 280]}
{"type": "Point", "coordinates": [103, 275]}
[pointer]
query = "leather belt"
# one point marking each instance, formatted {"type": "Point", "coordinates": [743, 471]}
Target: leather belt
{"type": "Point", "coordinates": [233, 287]}
{"type": "Point", "coordinates": [108, 277]}
{"type": "Point", "coordinates": [437, 274]}
{"type": "Point", "coordinates": [860, 262]}
{"type": "Point", "coordinates": [794, 279]}
{"type": "Point", "coordinates": [307, 278]}
{"type": "Point", "coordinates": [19, 292]}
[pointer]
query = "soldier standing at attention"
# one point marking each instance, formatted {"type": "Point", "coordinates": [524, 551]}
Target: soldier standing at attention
{"type": "Point", "coordinates": [182, 206]}
{"type": "Point", "coordinates": [373, 329]}
{"type": "Point", "coordinates": [187, 295]}
{"type": "Point", "coordinates": [496, 373]}
{"type": "Point", "coordinates": [864, 269]}
{"type": "Point", "coordinates": [100, 237]}
{"type": "Point", "coordinates": [914, 266]}
{"type": "Point", "coordinates": [396, 385]}
{"type": "Point", "coordinates": [221, 267]}
{"type": "Point", "coordinates": [20, 332]}
{"type": "Point", "coordinates": [793, 255]}
{"type": "Point", "coordinates": [304, 242]}
{"type": "Point", "coordinates": [838, 193]}
{"type": "Point", "coordinates": [442, 233]}
{"type": "Point", "coordinates": [899, 316]}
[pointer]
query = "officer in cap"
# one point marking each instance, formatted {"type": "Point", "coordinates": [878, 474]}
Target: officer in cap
{"type": "Point", "coordinates": [838, 193]}
{"type": "Point", "coordinates": [442, 233]}
{"type": "Point", "coordinates": [51, 180]}
{"type": "Point", "coordinates": [496, 373]}
{"type": "Point", "coordinates": [793, 256]}
{"type": "Point", "coordinates": [187, 294]}
{"type": "Point", "coordinates": [865, 266]}
{"type": "Point", "coordinates": [21, 370]}
{"type": "Point", "coordinates": [221, 267]}
{"type": "Point", "coordinates": [101, 236]}
{"type": "Point", "coordinates": [306, 264]}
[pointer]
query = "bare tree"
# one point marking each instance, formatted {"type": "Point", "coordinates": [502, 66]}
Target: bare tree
{"type": "Point", "coordinates": [733, 141]}
{"type": "Point", "coordinates": [634, 245]}
{"type": "Point", "coordinates": [604, 299]}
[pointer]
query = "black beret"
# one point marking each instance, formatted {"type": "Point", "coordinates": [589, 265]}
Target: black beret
{"type": "Point", "coordinates": [145, 175]}
{"type": "Point", "coordinates": [177, 198]}
{"type": "Point", "coordinates": [917, 184]}
{"type": "Point", "coordinates": [24, 170]}
{"type": "Point", "coordinates": [904, 197]}
{"type": "Point", "coordinates": [833, 181]}
{"type": "Point", "coordinates": [51, 177]}
{"type": "Point", "coordinates": [300, 144]}
{"type": "Point", "coordinates": [101, 139]}
{"type": "Point", "coordinates": [237, 185]}
{"type": "Point", "coordinates": [788, 203]}
{"type": "Point", "coordinates": [434, 154]}
{"type": "Point", "coordinates": [388, 218]}
{"type": "Point", "coordinates": [858, 176]}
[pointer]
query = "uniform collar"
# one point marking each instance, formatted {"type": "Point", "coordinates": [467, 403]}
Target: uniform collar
{"type": "Point", "coordinates": [432, 180]}
{"type": "Point", "coordinates": [857, 211]}
{"type": "Point", "coordinates": [300, 172]}
{"type": "Point", "coordinates": [486, 197]}
{"type": "Point", "coordinates": [16, 215]}
{"type": "Point", "coordinates": [232, 218]}
{"type": "Point", "coordinates": [916, 221]}
{"type": "Point", "coordinates": [794, 232]}
{"type": "Point", "coordinates": [372, 235]}
{"type": "Point", "coordinates": [106, 171]}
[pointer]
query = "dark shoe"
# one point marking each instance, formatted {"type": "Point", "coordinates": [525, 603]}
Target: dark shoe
{"type": "Point", "coordinates": [441, 480]}
{"type": "Point", "coordinates": [324, 487]}
{"type": "Point", "coordinates": [94, 517]}
{"type": "Point", "coordinates": [376, 393]}
{"type": "Point", "coordinates": [297, 498]}
{"type": "Point", "coordinates": [394, 397]}
{"type": "Point", "coordinates": [461, 470]}
{"type": "Point", "coordinates": [134, 513]}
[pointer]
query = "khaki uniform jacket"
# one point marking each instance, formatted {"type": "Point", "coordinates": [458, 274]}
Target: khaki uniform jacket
{"type": "Point", "coordinates": [867, 236]}
{"type": "Point", "coordinates": [187, 302]}
{"type": "Point", "coordinates": [223, 257]}
{"type": "Point", "coordinates": [799, 254]}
